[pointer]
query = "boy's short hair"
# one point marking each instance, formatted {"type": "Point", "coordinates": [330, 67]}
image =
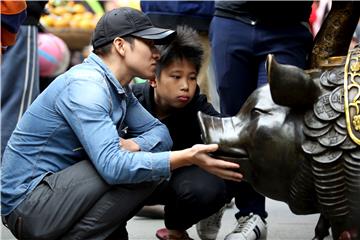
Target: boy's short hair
{"type": "Point", "coordinates": [185, 46]}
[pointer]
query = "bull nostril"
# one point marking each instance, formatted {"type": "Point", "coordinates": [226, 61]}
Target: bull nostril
{"type": "Point", "coordinates": [231, 152]}
{"type": "Point", "coordinates": [204, 122]}
{"type": "Point", "coordinates": [223, 125]}
{"type": "Point", "coordinates": [203, 138]}
{"type": "Point", "coordinates": [213, 125]}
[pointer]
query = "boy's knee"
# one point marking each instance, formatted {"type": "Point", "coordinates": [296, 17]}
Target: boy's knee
{"type": "Point", "coordinates": [204, 194]}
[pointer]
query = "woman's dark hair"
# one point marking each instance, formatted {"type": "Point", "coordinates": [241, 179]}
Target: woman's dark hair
{"type": "Point", "coordinates": [185, 46]}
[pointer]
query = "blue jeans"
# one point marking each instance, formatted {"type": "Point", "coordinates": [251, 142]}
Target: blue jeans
{"type": "Point", "coordinates": [239, 52]}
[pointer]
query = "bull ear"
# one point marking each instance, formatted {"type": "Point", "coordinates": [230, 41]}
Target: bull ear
{"type": "Point", "coordinates": [289, 85]}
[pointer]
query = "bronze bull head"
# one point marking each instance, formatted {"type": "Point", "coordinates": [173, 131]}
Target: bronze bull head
{"type": "Point", "coordinates": [291, 155]}
{"type": "Point", "coordinates": [296, 138]}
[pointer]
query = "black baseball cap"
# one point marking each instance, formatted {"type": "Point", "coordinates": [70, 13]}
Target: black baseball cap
{"type": "Point", "coordinates": [127, 21]}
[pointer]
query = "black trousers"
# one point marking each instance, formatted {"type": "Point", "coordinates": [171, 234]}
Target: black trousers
{"type": "Point", "coordinates": [247, 200]}
{"type": "Point", "coordinates": [190, 195]}
{"type": "Point", "coordinates": [76, 203]}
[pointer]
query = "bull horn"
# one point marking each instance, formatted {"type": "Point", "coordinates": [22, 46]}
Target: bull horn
{"type": "Point", "coordinates": [336, 32]}
{"type": "Point", "coordinates": [289, 85]}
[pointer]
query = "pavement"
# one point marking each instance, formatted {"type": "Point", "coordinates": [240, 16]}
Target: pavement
{"type": "Point", "coordinates": [282, 225]}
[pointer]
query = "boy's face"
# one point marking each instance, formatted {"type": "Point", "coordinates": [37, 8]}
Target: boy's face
{"type": "Point", "coordinates": [176, 86]}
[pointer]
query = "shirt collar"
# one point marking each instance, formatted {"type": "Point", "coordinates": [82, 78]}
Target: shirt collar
{"type": "Point", "coordinates": [95, 59]}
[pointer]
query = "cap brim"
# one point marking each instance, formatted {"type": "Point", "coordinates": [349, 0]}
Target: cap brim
{"type": "Point", "coordinates": [159, 35]}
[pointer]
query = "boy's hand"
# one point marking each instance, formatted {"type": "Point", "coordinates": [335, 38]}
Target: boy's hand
{"type": "Point", "coordinates": [218, 167]}
{"type": "Point", "coordinates": [129, 145]}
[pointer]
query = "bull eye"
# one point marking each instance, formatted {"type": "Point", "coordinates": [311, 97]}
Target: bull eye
{"type": "Point", "coordinates": [256, 112]}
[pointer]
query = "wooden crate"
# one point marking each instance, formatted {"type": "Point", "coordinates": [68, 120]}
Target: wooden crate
{"type": "Point", "coordinates": [76, 39]}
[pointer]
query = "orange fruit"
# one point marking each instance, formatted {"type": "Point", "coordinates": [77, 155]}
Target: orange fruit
{"type": "Point", "coordinates": [74, 24]}
{"type": "Point", "coordinates": [67, 16]}
{"type": "Point", "coordinates": [47, 21]}
{"type": "Point", "coordinates": [61, 23]}
{"type": "Point", "coordinates": [88, 15]}
{"type": "Point", "coordinates": [78, 8]}
{"type": "Point", "coordinates": [85, 24]}
{"type": "Point", "coordinates": [70, 3]}
{"type": "Point", "coordinates": [77, 17]}
{"type": "Point", "coordinates": [60, 10]}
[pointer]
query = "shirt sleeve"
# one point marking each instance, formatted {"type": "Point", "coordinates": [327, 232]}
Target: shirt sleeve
{"type": "Point", "coordinates": [86, 107]}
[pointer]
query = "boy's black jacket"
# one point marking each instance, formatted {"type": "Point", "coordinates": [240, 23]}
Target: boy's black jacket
{"type": "Point", "coordinates": [182, 124]}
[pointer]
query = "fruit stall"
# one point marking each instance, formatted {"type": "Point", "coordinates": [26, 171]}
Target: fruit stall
{"type": "Point", "coordinates": [72, 21]}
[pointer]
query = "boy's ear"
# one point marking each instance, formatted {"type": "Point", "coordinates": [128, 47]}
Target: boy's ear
{"type": "Point", "coordinates": [153, 82]}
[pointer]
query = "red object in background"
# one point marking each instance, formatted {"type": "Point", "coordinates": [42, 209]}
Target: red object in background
{"type": "Point", "coordinates": [313, 16]}
{"type": "Point", "coordinates": [13, 13]}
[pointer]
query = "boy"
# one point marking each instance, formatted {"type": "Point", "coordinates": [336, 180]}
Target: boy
{"type": "Point", "coordinates": [173, 97]}
{"type": "Point", "coordinates": [66, 172]}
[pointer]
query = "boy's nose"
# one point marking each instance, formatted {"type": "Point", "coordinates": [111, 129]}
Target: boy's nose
{"type": "Point", "coordinates": [184, 85]}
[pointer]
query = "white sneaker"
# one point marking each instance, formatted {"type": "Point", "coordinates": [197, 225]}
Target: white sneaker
{"type": "Point", "coordinates": [250, 227]}
{"type": "Point", "coordinates": [208, 228]}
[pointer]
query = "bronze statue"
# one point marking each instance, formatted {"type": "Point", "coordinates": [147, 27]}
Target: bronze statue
{"type": "Point", "coordinates": [297, 139]}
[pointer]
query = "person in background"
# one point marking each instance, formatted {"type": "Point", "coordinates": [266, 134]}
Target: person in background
{"type": "Point", "coordinates": [12, 16]}
{"type": "Point", "coordinates": [356, 37]}
{"type": "Point", "coordinates": [242, 34]}
{"type": "Point", "coordinates": [67, 171]}
{"type": "Point", "coordinates": [20, 81]}
{"type": "Point", "coordinates": [318, 15]}
{"type": "Point", "coordinates": [174, 98]}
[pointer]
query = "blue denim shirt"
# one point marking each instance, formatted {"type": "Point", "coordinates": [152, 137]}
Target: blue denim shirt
{"type": "Point", "coordinates": [77, 118]}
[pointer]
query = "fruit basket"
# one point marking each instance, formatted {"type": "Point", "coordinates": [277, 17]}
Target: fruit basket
{"type": "Point", "coordinates": [75, 39]}
{"type": "Point", "coordinates": [71, 21]}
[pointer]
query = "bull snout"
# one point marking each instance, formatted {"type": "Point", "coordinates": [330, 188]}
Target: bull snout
{"type": "Point", "coordinates": [226, 132]}
{"type": "Point", "coordinates": [223, 131]}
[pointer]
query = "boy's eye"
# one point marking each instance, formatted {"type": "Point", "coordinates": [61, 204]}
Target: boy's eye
{"type": "Point", "coordinates": [193, 78]}
{"type": "Point", "coordinates": [176, 76]}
